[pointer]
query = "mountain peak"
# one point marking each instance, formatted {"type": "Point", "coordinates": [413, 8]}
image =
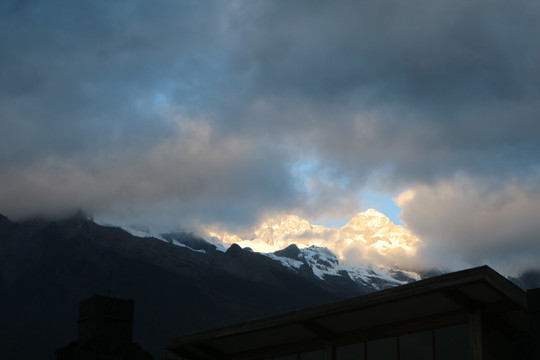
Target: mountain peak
{"type": "Point", "coordinates": [372, 212]}
{"type": "Point", "coordinates": [292, 252]}
{"type": "Point", "coordinates": [234, 249]}
{"type": "Point", "coordinates": [370, 218]}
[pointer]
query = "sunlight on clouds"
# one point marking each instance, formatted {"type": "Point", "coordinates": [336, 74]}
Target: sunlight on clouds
{"type": "Point", "coordinates": [368, 238]}
{"type": "Point", "coordinates": [192, 163]}
{"type": "Point", "coordinates": [404, 197]}
{"type": "Point", "coordinates": [476, 222]}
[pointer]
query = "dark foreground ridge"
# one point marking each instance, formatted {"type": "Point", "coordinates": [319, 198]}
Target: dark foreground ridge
{"type": "Point", "coordinates": [48, 267]}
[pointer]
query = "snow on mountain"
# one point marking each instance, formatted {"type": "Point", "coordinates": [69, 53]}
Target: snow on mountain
{"type": "Point", "coordinates": [376, 231]}
{"type": "Point", "coordinates": [324, 263]}
{"type": "Point", "coordinates": [362, 249]}
{"type": "Point", "coordinates": [369, 231]}
{"type": "Point", "coordinates": [381, 277]}
{"type": "Point", "coordinates": [142, 231]}
{"type": "Point", "coordinates": [146, 232]}
{"type": "Point", "coordinates": [321, 260]}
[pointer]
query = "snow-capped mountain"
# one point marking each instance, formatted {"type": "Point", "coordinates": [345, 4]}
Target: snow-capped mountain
{"type": "Point", "coordinates": [370, 229]}
{"type": "Point", "coordinates": [359, 251]}
{"type": "Point", "coordinates": [181, 283]}
{"type": "Point", "coordinates": [323, 263]}
{"type": "Point", "coordinates": [375, 230]}
{"type": "Point", "coordinates": [366, 248]}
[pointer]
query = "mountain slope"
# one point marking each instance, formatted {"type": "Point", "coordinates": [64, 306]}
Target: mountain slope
{"type": "Point", "coordinates": [180, 283]}
{"type": "Point", "coordinates": [46, 268]}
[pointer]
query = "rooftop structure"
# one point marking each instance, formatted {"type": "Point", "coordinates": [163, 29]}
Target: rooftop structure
{"type": "Point", "coordinates": [472, 314]}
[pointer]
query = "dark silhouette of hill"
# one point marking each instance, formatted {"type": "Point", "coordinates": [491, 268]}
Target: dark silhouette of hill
{"type": "Point", "coordinates": [48, 267]}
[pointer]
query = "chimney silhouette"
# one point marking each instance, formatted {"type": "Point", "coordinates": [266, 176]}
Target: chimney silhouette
{"type": "Point", "coordinates": [105, 319]}
{"type": "Point", "coordinates": [105, 332]}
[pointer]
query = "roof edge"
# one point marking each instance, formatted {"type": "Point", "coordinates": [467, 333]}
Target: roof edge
{"type": "Point", "coordinates": [433, 284]}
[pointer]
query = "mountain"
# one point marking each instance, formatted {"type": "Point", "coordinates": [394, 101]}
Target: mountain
{"type": "Point", "coordinates": [324, 264]}
{"type": "Point", "coordinates": [180, 283]}
{"type": "Point", "coordinates": [369, 234]}
{"type": "Point", "coordinates": [375, 230]}
{"type": "Point", "coordinates": [370, 229]}
{"type": "Point", "coordinates": [315, 247]}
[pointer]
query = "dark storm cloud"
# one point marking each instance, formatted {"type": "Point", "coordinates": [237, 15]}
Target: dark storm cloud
{"type": "Point", "coordinates": [211, 109]}
{"type": "Point", "coordinates": [428, 87]}
{"type": "Point", "coordinates": [79, 76]}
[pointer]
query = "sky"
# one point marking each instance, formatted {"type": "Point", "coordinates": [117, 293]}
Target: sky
{"type": "Point", "coordinates": [174, 113]}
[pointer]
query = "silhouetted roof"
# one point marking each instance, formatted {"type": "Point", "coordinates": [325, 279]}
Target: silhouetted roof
{"type": "Point", "coordinates": [442, 300]}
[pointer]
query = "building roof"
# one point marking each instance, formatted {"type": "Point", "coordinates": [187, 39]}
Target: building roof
{"type": "Point", "coordinates": [434, 302]}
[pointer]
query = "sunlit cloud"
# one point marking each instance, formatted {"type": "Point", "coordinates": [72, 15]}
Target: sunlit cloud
{"type": "Point", "coordinates": [469, 222]}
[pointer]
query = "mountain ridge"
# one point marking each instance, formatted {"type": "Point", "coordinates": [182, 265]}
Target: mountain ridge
{"type": "Point", "coordinates": [48, 267]}
{"type": "Point", "coordinates": [180, 282]}
{"type": "Point", "coordinates": [366, 236]}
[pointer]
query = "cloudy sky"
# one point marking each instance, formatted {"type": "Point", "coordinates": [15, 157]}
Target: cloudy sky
{"type": "Point", "coordinates": [178, 112]}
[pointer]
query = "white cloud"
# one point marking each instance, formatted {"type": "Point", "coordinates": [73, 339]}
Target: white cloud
{"type": "Point", "coordinates": [466, 221]}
